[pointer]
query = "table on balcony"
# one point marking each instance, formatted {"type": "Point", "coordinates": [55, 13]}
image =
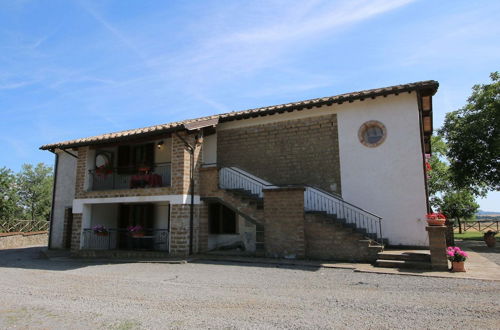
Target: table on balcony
{"type": "Point", "coordinates": [145, 180]}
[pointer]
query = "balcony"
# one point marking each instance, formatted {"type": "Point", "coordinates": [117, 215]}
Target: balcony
{"type": "Point", "coordinates": [159, 175]}
{"type": "Point", "coordinates": [122, 239]}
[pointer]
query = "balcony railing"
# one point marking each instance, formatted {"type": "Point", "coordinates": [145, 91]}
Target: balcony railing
{"type": "Point", "coordinates": [122, 239]}
{"type": "Point", "coordinates": [125, 178]}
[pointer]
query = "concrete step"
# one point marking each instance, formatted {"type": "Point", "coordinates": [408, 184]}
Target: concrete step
{"type": "Point", "coordinates": [402, 264]}
{"type": "Point", "coordinates": [405, 255]}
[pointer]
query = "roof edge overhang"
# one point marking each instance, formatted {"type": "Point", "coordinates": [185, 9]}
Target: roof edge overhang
{"type": "Point", "coordinates": [428, 87]}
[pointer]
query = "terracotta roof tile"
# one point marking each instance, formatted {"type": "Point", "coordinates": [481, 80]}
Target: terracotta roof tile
{"type": "Point", "coordinates": [430, 85]}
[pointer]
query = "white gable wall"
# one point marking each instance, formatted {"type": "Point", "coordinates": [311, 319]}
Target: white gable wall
{"type": "Point", "coordinates": [387, 180]}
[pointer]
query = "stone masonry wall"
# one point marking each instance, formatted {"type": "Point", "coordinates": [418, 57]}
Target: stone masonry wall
{"type": "Point", "coordinates": [76, 231]}
{"type": "Point", "coordinates": [20, 240]}
{"type": "Point", "coordinates": [179, 226]}
{"type": "Point", "coordinates": [303, 151]}
{"type": "Point", "coordinates": [180, 173]}
{"type": "Point", "coordinates": [284, 222]}
{"type": "Point", "coordinates": [330, 241]}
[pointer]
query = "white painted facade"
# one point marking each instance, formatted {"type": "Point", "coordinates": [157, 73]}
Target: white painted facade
{"type": "Point", "coordinates": [64, 195]}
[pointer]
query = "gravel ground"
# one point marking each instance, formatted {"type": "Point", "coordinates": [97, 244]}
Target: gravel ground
{"type": "Point", "coordinates": [40, 293]}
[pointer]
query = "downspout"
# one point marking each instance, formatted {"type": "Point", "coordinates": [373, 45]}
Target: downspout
{"type": "Point", "coordinates": [53, 198]}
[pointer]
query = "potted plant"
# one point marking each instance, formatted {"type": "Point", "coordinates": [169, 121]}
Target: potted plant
{"type": "Point", "coordinates": [136, 231]}
{"type": "Point", "coordinates": [457, 258]}
{"type": "Point", "coordinates": [100, 230]}
{"type": "Point", "coordinates": [436, 219]}
{"type": "Point", "coordinates": [489, 238]}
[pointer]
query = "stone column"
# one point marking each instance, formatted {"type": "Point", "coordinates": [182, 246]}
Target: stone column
{"type": "Point", "coordinates": [180, 213]}
{"type": "Point", "coordinates": [76, 231]}
{"type": "Point", "coordinates": [179, 230]}
{"type": "Point", "coordinates": [437, 246]}
{"type": "Point", "coordinates": [284, 222]}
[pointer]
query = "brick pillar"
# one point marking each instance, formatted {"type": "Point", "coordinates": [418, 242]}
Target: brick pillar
{"type": "Point", "coordinates": [81, 170]}
{"type": "Point", "coordinates": [437, 246]}
{"type": "Point", "coordinates": [203, 228]}
{"type": "Point", "coordinates": [181, 164]}
{"type": "Point", "coordinates": [179, 230]}
{"type": "Point", "coordinates": [76, 231]}
{"type": "Point", "coordinates": [284, 222]}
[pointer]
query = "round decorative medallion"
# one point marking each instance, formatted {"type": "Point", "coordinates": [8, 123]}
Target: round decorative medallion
{"type": "Point", "coordinates": [372, 133]}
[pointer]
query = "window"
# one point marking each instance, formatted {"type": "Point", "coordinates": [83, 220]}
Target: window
{"type": "Point", "coordinates": [372, 133]}
{"type": "Point", "coordinates": [222, 220]}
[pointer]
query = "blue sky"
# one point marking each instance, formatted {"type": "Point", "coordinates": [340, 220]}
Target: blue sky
{"type": "Point", "coordinates": [70, 69]}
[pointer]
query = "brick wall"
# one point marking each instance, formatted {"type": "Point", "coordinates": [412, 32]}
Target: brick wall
{"type": "Point", "coordinates": [76, 231]}
{"type": "Point", "coordinates": [81, 170]}
{"type": "Point", "coordinates": [203, 228]}
{"type": "Point", "coordinates": [303, 151]}
{"type": "Point", "coordinates": [180, 173]}
{"type": "Point", "coordinates": [329, 241]}
{"type": "Point", "coordinates": [19, 240]}
{"type": "Point", "coordinates": [179, 227]}
{"type": "Point", "coordinates": [284, 222]}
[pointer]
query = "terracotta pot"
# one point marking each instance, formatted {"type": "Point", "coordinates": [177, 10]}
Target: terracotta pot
{"type": "Point", "coordinates": [137, 234]}
{"type": "Point", "coordinates": [436, 222]}
{"type": "Point", "coordinates": [490, 241]}
{"type": "Point", "coordinates": [102, 234]}
{"type": "Point", "coordinates": [457, 266]}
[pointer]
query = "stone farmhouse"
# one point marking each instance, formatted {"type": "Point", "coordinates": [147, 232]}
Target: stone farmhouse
{"type": "Point", "coordinates": [336, 177]}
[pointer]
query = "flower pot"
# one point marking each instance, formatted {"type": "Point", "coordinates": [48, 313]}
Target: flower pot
{"type": "Point", "coordinates": [457, 266]}
{"type": "Point", "coordinates": [137, 235]}
{"type": "Point", "coordinates": [102, 234]}
{"type": "Point", "coordinates": [490, 241]}
{"type": "Point", "coordinates": [436, 222]}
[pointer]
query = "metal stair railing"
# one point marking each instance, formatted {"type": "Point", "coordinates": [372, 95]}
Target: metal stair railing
{"type": "Point", "coordinates": [316, 199]}
{"type": "Point", "coordinates": [234, 178]}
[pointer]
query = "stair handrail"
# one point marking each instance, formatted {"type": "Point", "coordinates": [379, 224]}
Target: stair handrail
{"type": "Point", "coordinates": [316, 199]}
{"type": "Point", "coordinates": [235, 178]}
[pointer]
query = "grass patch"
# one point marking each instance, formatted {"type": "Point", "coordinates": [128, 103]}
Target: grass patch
{"type": "Point", "coordinates": [473, 236]}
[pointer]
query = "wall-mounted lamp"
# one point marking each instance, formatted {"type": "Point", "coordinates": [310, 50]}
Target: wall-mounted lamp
{"type": "Point", "coordinates": [159, 145]}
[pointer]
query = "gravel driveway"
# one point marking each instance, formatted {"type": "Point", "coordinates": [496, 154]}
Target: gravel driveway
{"type": "Point", "coordinates": [40, 293]}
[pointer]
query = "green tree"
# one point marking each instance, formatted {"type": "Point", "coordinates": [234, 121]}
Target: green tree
{"type": "Point", "coordinates": [455, 203]}
{"type": "Point", "coordinates": [473, 137]}
{"type": "Point", "coordinates": [35, 190]}
{"type": "Point", "coordinates": [9, 207]}
{"type": "Point", "coordinates": [459, 205]}
{"type": "Point", "coordinates": [439, 178]}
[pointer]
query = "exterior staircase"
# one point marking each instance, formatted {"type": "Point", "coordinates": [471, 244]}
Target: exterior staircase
{"type": "Point", "coordinates": [404, 259]}
{"type": "Point", "coordinates": [329, 237]}
{"type": "Point", "coordinates": [248, 205]}
{"type": "Point", "coordinates": [336, 229]}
